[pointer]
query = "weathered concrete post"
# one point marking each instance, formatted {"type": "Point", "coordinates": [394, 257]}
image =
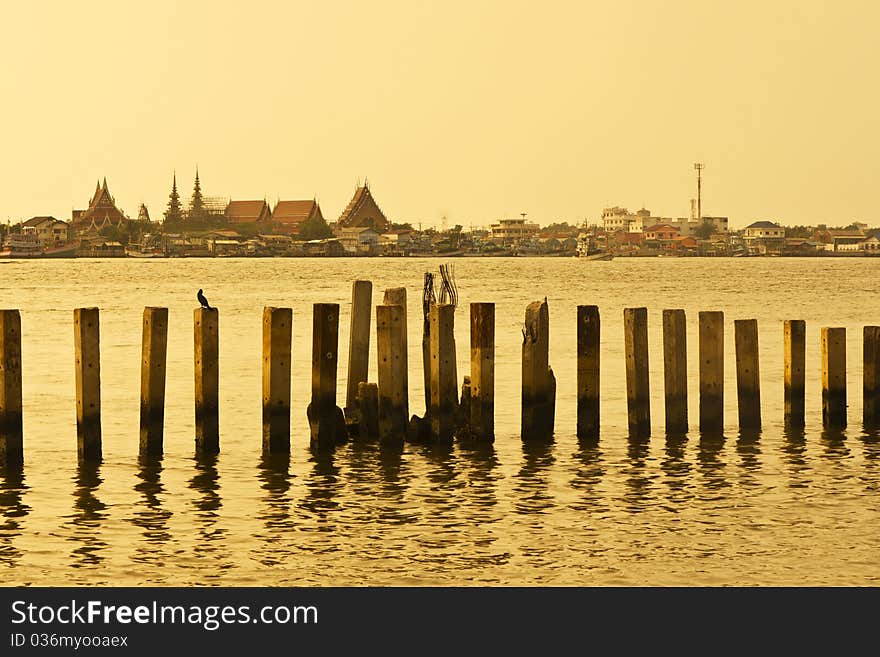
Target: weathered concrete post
{"type": "Point", "coordinates": [444, 401]}
{"type": "Point", "coordinates": [538, 382]}
{"type": "Point", "coordinates": [368, 411]}
{"type": "Point", "coordinates": [638, 393]}
{"type": "Point", "coordinates": [11, 441]}
{"type": "Point", "coordinates": [206, 356]}
{"type": "Point", "coordinates": [277, 329]}
{"type": "Point", "coordinates": [795, 351]}
{"type": "Point", "coordinates": [391, 346]}
{"type": "Point", "coordinates": [711, 371]}
{"type": "Point", "coordinates": [396, 296]}
{"type": "Point", "coordinates": [834, 378]}
{"type": "Point", "coordinates": [359, 343]}
{"type": "Point", "coordinates": [748, 379]}
{"type": "Point", "coordinates": [871, 376]}
{"type": "Point", "coordinates": [325, 417]}
{"type": "Point", "coordinates": [87, 354]}
{"type": "Point", "coordinates": [482, 404]}
{"type": "Point", "coordinates": [588, 372]}
{"type": "Point", "coordinates": [154, 347]}
{"type": "Point", "coordinates": [675, 376]}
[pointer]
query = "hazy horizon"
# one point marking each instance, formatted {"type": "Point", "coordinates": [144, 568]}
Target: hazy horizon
{"type": "Point", "coordinates": [473, 111]}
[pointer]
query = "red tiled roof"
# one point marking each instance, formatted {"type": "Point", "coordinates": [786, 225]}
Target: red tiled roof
{"type": "Point", "coordinates": [247, 211]}
{"type": "Point", "coordinates": [293, 212]}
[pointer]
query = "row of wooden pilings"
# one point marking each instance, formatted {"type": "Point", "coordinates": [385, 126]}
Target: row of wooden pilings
{"type": "Point", "coordinates": [381, 410]}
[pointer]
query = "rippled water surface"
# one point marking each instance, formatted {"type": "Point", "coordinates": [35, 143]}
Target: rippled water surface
{"type": "Point", "coordinates": [778, 508]}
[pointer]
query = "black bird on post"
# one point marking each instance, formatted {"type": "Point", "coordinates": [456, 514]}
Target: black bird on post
{"type": "Point", "coordinates": [203, 300]}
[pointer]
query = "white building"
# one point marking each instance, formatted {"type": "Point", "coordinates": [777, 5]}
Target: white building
{"type": "Point", "coordinates": [513, 230]}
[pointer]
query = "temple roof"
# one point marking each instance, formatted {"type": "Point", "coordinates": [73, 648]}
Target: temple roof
{"type": "Point", "coordinates": [363, 210]}
{"type": "Point", "coordinates": [294, 212]}
{"type": "Point", "coordinates": [247, 211]}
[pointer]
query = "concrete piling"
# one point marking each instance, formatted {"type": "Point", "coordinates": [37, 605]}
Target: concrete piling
{"type": "Point", "coordinates": [482, 381]}
{"type": "Point", "coordinates": [444, 398]}
{"type": "Point", "coordinates": [794, 351]}
{"type": "Point", "coordinates": [871, 376]}
{"type": "Point", "coordinates": [675, 376]}
{"type": "Point", "coordinates": [538, 382]}
{"type": "Point", "coordinates": [391, 347]}
{"type": "Point", "coordinates": [87, 356]}
{"type": "Point", "coordinates": [153, 352]}
{"type": "Point", "coordinates": [323, 414]}
{"type": "Point", "coordinates": [638, 394]}
{"type": "Point", "coordinates": [277, 331]}
{"type": "Point", "coordinates": [359, 343]}
{"type": "Point", "coordinates": [206, 361]}
{"type": "Point", "coordinates": [748, 379]}
{"type": "Point", "coordinates": [711, 349]}
{"type": "Point", "coordinates": [834, 378]}
{"type": "Point", "coordinates": [368, 411]}
{"type": "Point", "coordinates": [396, 296]}
{"type": "Point", "coordinates": [11, 435]}
{"type": "Point", "coordinates": [588, 327]}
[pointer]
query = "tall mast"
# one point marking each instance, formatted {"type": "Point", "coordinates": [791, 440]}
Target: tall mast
{"type": "Point", "coordinates": [699, 166]}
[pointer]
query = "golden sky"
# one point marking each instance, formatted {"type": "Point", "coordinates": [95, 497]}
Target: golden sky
{"type": "Point", "coordinates": [475, 110]}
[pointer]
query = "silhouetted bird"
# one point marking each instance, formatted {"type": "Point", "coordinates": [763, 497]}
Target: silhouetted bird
{"type": "Point", "coordinates": [203, 300]}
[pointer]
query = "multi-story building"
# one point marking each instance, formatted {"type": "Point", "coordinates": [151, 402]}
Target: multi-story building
{"type": "Point", "coordinates": [764, 237]}
{"type": "Point", "coordinates": [511, 231]}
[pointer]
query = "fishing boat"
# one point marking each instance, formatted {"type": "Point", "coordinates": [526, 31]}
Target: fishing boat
{"type": "Point", "coordinates": [587, 249]}
{"type": "Point", "coordinates": [22, 245]}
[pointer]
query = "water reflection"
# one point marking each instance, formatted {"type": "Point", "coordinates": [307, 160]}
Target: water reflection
{"type": "Point", "coordinates": [677, 470]}
{"type": "Point", "coordinates": [748, 447]}
{"type": "Point", "coordinates": [322, 487]}
{"type": "Point", "coordinates": [273, 472]}
{"type": "Point", "coordinates": [710, 464]}
{"type": "Point", "coordinates": [12, 510]}
{"type": "Point", "coordinates": [481, 462]}
{"type": "Point", "coordinates": [637, 480]}
{"type": "Point", "coordinates": [834, 442]}
{"type": "Point", "coordinates": [590, 468]}
{"type": "Point", "coordinates": [871, 452]}
{"type": "Point", "coordinates": [208, 505]}
{"type": "Point", "coordinates": [275, 477]}
{"type": "Point", "coordinates": [532, 480]}
{"type": "Point", "coordinates": [89, 512]}
{"type": "Point", "coordinates": [794, 447]}
{"type": "Point", "coordinates": [151, 516]}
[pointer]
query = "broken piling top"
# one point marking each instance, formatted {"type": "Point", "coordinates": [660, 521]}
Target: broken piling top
{"type": "Point", "coordinates": [538, 382]}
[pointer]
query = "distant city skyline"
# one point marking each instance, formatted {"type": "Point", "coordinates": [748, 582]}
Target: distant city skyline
{"type": "Point", "coordinates": [472, 111]}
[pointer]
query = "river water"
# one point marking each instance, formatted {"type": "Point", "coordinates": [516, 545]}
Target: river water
{"type": "Point", "coordinates": [773, 509]}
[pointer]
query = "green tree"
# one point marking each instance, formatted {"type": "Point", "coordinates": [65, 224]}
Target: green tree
{"type": "Point", "coordinates": [314, 228]}
{"type": "Point", "coordinates": [174, 212]}
{"type": "Point", "coordinates": [114, 234]}
{"type": "Point", "coordinates": [705, 230]}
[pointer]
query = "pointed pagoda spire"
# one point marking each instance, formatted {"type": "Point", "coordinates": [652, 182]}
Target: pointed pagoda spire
{"type": "Point", "coordinates": [197, 202]}
{"type": "Point", "coordinates": [174, 213]}
{"type": "Point", "coordinates": [105, 183]}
